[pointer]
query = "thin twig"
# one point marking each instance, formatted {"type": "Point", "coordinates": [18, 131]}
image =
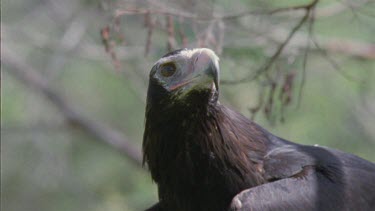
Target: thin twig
{"type": "Point", "coordinates": [181, 33]}
{"type": "Point", "coordinates": [270, 61]}
{"type": "Point", "coordinates": [149, 23]}
{"type": "Point", "coordinates": [254, 110]}
{"type": "Point", "coordinates": [171, 44]}
{"type": "Point", "coordinates": [140, 11]}
{"type": "Point", "coordinates": [331, 61]}
{"type": "Point", "coordinates": [270, 12]}
{"type": "Point", "coordinates": [305, 55]}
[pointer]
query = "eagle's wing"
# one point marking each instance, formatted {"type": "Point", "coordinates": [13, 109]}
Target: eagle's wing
{"type": "Point", "coordinates": [311, 178]}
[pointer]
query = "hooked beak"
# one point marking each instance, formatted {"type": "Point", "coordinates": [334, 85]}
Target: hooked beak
{"type": "Point", "coordinates": [203, 71]}
{"type": "Point", "coordinates": [212, 71]}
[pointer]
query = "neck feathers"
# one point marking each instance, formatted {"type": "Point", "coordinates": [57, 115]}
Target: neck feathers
{"type": "Point", "coordinates": [197, 151]}
{"type": "Point", "coordinates": [214, 137]}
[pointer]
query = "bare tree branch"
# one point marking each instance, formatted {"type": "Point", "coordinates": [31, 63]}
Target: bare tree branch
{"type": "Point", "coordinates": [196, 17]}
{"type": "Point", "coordinates": [149, 23]}
{"type": "Point", "coordinates": [271, 12]}
{"type": "Point", "coordinates": [305, 55]}
{"type": "Point", "coordinates": [331, 61]}
{"type": "Point", "coordinates": [339, 7]}
{"type": "Point", "coordinates": [171, 44]}
{"type": "Point", "coordinates": [272, 59]}
{"type": "Point", "coordinates": [24, 72]}
{"type": "Point", "coordinates": [181, 33]}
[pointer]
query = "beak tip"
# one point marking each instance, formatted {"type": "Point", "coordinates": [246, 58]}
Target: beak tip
{"type": "Point", "coordinates": [210, 59]}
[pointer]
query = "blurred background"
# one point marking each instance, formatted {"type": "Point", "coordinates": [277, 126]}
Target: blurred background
{"type": "Point", "coordinates": [75, 75]}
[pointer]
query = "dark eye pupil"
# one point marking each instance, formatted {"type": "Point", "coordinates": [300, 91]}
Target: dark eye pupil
{"type": "Point", "coordinates": [168, 70]}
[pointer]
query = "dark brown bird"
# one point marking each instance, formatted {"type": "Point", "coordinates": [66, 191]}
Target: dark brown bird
{"type": "Point", "coordinates": [202, 154]}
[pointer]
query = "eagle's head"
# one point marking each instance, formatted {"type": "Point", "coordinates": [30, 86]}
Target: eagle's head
{"type": "Point", "coordinates": [185, 75]}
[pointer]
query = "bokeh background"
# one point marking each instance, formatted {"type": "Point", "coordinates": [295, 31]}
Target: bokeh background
{"type": "Point", "coordinates": [75, 70]}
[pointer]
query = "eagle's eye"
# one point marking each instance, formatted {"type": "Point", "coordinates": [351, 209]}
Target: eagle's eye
{"type": "Point", "coordinates": [167, 69]}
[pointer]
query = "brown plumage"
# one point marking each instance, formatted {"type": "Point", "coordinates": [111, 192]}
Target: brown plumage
{"type": "Point", "coordinates": [201, 154]}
